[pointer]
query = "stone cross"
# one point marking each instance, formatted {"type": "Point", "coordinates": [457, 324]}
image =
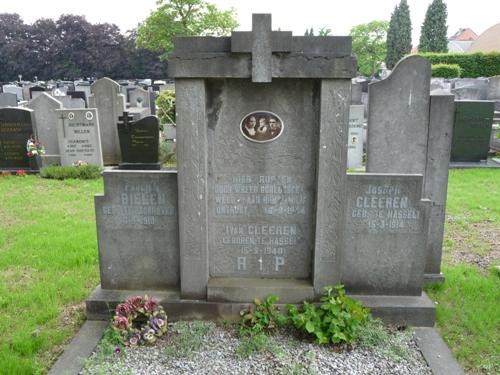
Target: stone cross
{"type": "Point", "coordinates": [125, 121]}
{"type": "Point", "coordinates": [261, 42]}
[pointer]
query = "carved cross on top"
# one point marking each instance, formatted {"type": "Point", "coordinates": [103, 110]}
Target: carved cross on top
{"type": "Point", "coordinates": [261, 42]}
{"type": "Point", "coordinates": [125, 121]}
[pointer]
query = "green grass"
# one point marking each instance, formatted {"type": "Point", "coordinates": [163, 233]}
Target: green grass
{"type": "Point", "coordinates": [468, 302]}
{"type": "Point", "coordinates": [48, 264]}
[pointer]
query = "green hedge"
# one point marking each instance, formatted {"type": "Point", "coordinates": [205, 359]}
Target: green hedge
{"type": "Point", "coordinates": [446, 70]}
{"type": "Point", "coordinates": [473, 65]}
{"type": "Point", "coordinates": [83, 172]}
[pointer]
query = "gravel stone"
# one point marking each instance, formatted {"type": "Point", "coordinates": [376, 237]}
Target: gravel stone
{"type": "Point", "coordinates": [217, 355]}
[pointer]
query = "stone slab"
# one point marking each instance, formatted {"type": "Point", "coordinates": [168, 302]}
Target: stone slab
{"type": "Point", "coordinates": [8, 99]}
{"type": "Point", "coordinates": [397, 310]}
{"type": "Point", "coordinates": [80, 348]}
{"type": "Point", "coordinates": [398, 119]}
{"type": "Point", "coordinates": [436, 353]}
{"type": "Point", "coordinates": [246, 290]}
{"type": "Point", "coordinates": [137, 230]}
{"type": "Point", "coordinates": [385, 234]}
{"type": "Point", "coordinates": [78, 136]}
{"type": "Point", "coordinates": [16, 127]}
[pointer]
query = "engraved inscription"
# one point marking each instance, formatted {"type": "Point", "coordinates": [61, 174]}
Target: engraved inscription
{"type": "Point", "coordinates": [139, 205]}
{"type": "Point", "coordinates": [384, 208]}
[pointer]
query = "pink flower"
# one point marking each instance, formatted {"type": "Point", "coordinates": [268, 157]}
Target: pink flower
{"type": "Point", "coordinates": [134, 340]}
{"type": "Point", "coordinates": [124, 309]}
{"type": "Point", "coordinates": [136, 302]}
{"type": "Point", "coordinates": [121, 322]}
{"type": "Point", "coordinates": [150, 305]}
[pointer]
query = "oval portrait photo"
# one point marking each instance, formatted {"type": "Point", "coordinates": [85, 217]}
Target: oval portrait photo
{"type": "Point", "coordinates": [261, 126]}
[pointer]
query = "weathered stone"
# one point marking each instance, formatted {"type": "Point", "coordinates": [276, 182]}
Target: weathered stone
{"type": "Point", "coordinates": [78, 136]}
{"type": "Point", "coordinates": [110, 104]}
{"type": "Point", "coordinates": [138, 97]}
{"type": "Point", "coordinates": [442, 112]}
{"type": "Point", "coordinates": [68, 102]}
{"type": "Point", "coordinates": [16, 127]}
{"type": "Point", "coordinates": [137, 230]}
{"type": "Point", "coordinates": [35, 91]}
{"type": "Point", "coordinates": [398, 119]}
{"type": "Point", "coordinates": [493, 92]}
{"type": "Point", "coordinates": [355, 138]}
{"type": "Point", "coordinates": [78, 95]}
{"type": "Point", "coordinates": [8, 99]}
{"type": "Point", "coordinates": [386, 232]}
{"type": "Point", "coordinates": [46, 123]}
{"type": "Point", "coordinates": [13, 89]}
{"type": "Point", "coordinates": [471, 130]}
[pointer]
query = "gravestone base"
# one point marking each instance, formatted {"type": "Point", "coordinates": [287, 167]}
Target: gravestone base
{"type": "Point", "coordinates": [247, 289]}
{"type": "Point", "coordinates": [433, 278]}
{"type": "Point", "coordinates": [140, 166]}
{"type": "Point", "coordinates": [50, 160]}
{"type": "Point", "coordinates": [417, 311]}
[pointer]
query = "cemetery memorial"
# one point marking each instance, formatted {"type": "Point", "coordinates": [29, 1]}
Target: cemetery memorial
{"type": "Point", "coordinates": [261, 202]}
{"type": "Point", "coordinates": [16, 127]}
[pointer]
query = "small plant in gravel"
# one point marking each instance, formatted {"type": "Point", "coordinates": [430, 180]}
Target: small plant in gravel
{"type": "Point", "coordinates": [336, 321]}
{"type": "Point", "coordinates": [188, 338]}
{"type": "Point", "coordinates": [140, 320]}
{"type": "Point", "coordinates": [264, 318]}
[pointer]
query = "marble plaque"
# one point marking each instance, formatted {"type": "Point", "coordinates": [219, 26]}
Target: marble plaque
{"type": "Point", "coordinates": [78, 135]}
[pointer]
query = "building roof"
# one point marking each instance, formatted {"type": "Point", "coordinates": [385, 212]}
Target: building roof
{"type": "Point", "coordinates": [464, 35]}
{"type": "Point", "coordinates": [489, 41]}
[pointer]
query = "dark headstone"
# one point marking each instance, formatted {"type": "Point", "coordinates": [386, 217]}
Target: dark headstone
{"type": "Point", "coordinates": [139, 142]}
{"type": "Point", "coordinates": [15, 130]}
{"type": "Point", "coordinates": [35, 89]}
{"type": "Point", "coordinates": [471, 130]}
{"type": "Point", "coordinates": [78, 95]}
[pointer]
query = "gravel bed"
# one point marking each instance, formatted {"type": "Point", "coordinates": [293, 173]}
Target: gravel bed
{"type": "Point", "coordinates": [285, 354]}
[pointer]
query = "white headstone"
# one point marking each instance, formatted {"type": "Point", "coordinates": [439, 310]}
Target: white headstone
{"type": "Point", "coordinates": [356, 138]}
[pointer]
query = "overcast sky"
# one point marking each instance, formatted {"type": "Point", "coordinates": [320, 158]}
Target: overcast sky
{"type": "Point", "coordinates": [339, 16]}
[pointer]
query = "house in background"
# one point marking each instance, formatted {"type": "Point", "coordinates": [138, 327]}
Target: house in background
{"type": "Point", "coordinates": [461, 41]}
{"type": "Point", "coordinates": [489, 41]}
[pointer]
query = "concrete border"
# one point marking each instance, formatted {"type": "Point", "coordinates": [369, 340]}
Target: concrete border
{"type": "Point", "coordinates": [80, 348]}
{"type": "Point", "coordinates": [436, 353]}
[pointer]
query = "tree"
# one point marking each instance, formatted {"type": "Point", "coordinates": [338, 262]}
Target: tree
{"type": "Point", "coordinates": [182, 18]}
{"type": "Point", "coordinates": [433, 35]}
{"type": "Point", "coordinates": [14, 48]}
{"type": "Point", "coordinates": [368, 45]}
{"type": "Point", "coordinates": [399, 34]}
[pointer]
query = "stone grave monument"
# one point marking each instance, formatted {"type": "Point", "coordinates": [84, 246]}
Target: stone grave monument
{"type": "Point", "coordinates": [472, 130]}
{"type": "Point", "coordinates": [14, 89]}
{"type": "Point", "coordinates": [16, 127]}
{"type": "Point", "coordinates": [46, 123]}
{"type": "Point", "coordinates": [8, 99]}
{"type": "Point", "coordinates": [356, 137]}
{"type": "Point", "coordinates": [110, 104]}
{"type": "Point", "coordinates": [78, 136]}
{"type": "Point", "coordinates": [409, 131]}
{"type": "Point", "coordinates": [139, 142]}
{"type": "Point", "coordinates": [265, 205]}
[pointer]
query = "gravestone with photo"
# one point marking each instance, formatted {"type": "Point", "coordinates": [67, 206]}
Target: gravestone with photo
{"type": "Point", "coordinates": [110, 104]}
{"type": "Point", "coordinates": [16, 127]}
{"type": "Point", "coordinates": [79, 137]}
{"type": "Point", "coordinates": [265, 203]}
{"type": "Point", "coordinates": [46, 123]}
{"type": "Point", "coordinates": [139, 142]}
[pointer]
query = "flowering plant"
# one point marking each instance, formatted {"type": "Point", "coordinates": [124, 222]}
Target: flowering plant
{"type": "Point", "coordinates": [140, 320]}
{"type": "Point", "coordinates": [21, 173]}
{"type": "Point", "coordinates": [79, 163]}
{"type": "Point", "coordinates": [34, 148]}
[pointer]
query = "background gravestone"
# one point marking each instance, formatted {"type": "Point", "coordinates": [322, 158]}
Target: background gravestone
{"type": "Point", "coordinates": [139, 142]}
{"type": "Point", "coordinates": [8, 99]}
{"type": "Point", "coordinates": [46, 123]}
{"type": "Point", "coordinates": [386, 234]}
{"type": "Point", "coordinates": [13, 89]}
{"type": "Point", "coordinates": [69, 102]}
{"type": "Point", "coordinates": [77, 95]}
{"type": "Point", "coordinates": [355, 138]}
{"type": "Point", "coordinates": [136, 93]}
{"type": "Point", "coordinates": [16, 127]}
{"type": "Point", "coordinates": [137, 230]}
{"type": "Point", "coordinates": [78, 135]}
{"type": "Point", "coordinates": [35, 91]}
{"type": "Point", "coordinates": [398, 119]}
{"type": "Point", "coordinates": [110, 104]}
{"type": "Point", "coordinates": [472, 130]}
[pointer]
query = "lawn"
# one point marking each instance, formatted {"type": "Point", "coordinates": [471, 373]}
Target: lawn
{"type": "Point", "coordinates": [48, 266]}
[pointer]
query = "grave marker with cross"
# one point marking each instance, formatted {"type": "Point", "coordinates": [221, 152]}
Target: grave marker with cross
{"type": "Point", "coordinates": [261, 42]}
